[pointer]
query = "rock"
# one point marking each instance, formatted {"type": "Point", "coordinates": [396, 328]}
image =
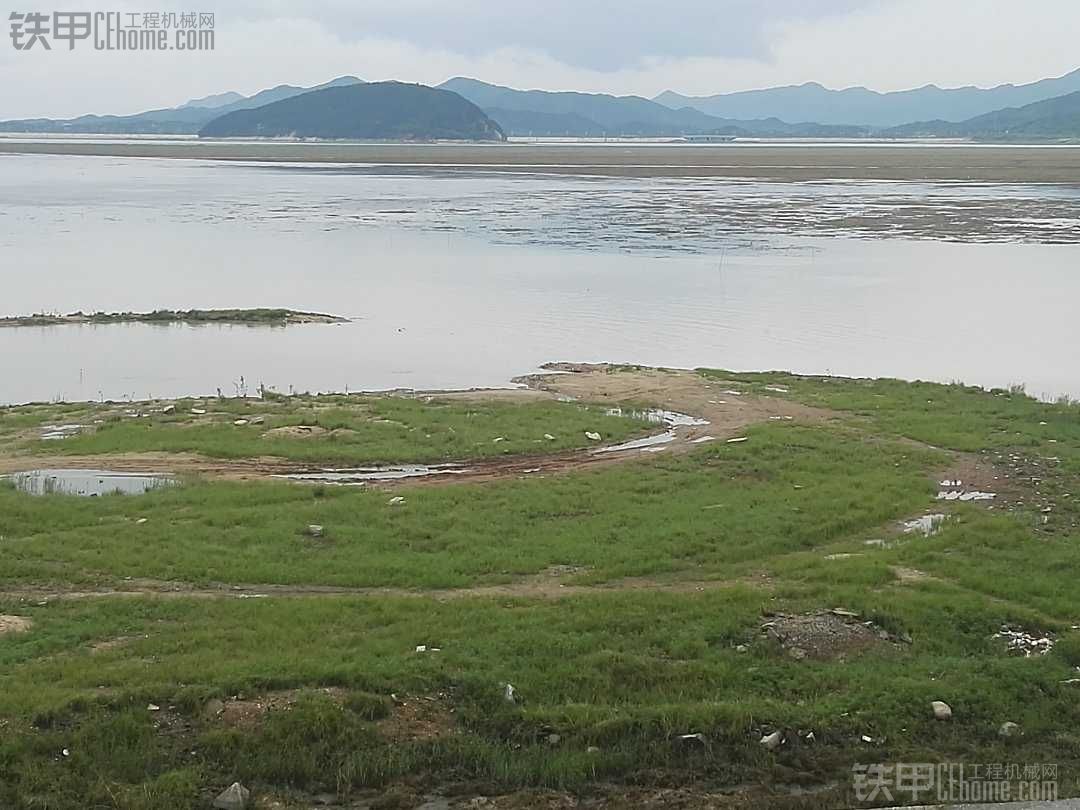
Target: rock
{"type": "Point", "coordinates": [140, 521]}
{"type": "Point", "coordinates": [240, 422]}
{"type": "Point", "coordinates": [1009, 729]}
{"type": "Point", "coordinates": [772, 741]}
{"type": "Point", "coordinates": [153, 707]}
{"type": "Point", "coordinates": [742, 648]}
{"type": "Point", "coordinates": [258, 420]}
{"type": "Point", "coordinates": [315, 530]}
{"type": "Point", "coordinates": [169, 409]}
{"type": "Point", "coordinates": [591, 436]}
{"type": "Point", "coordinates": [198, 411]}
{"type": "Point", "coordinates": [592, 749]}
{"type": "Point", "coordinates": [549, 437]}
{"type": "Point", "coordinates": [692, 739]}
{"type": "Point", "coordinates": [942, 710]}
{"type": "Point", "coordinates": [553, 739]}
{"type": "Point", "coordinates": [234, 797]}
{"type": "Point", "coordinates": [397, 500]}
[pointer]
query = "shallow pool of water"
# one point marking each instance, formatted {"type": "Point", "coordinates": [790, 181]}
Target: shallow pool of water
{"type": "Point", "coordinates": [88, 483]}
{"type": "Point", "coordinates": [355, 476]}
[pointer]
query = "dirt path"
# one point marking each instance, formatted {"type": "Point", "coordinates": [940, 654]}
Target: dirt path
{"type": "Point", "coordinates": [549, 584]}
{"type": "Point", "coordinates": [727, 410]}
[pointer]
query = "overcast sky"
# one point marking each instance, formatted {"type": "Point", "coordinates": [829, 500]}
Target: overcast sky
{"type": "Point", "coordinates": [629, 46]}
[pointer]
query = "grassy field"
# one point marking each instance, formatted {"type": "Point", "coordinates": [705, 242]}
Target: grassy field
{"type": "Point", "coordinates": [342, 429]}
{"type": "Point", "coordinates": [672, 564]}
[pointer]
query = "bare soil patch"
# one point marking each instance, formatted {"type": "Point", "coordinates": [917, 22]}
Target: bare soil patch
{"type": "Point", "coordinates": [296, 432]}
{"type": "Point", "coordinates": [247, 712]}
{"type": "Point", "coordinates": [824, 636]}
{"type": "Point", "coordinates": [14, 624]}
{"type": "Point", "coordinates": [419, 718]}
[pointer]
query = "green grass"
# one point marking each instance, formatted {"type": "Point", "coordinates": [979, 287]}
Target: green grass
{"type": "Point", "coordinates": [958, 417]}
{"type": "Point", "coordinates": [624, 670]}
{"type": "Point", "coordinates": [358, 430]}
{"type": "Point", "coordinates": [787, 489]}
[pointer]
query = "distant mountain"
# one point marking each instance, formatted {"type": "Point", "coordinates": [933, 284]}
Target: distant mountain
{"type": "Point", "coordinates": [379, 111]}
{"type": "Point", "coordinates": [543, 113]}
{"type": "Point", "coordinates": [614, 115]}
{"type": "Point", "coordinates": [180, 121]}
{"type": "Point", "coordinates": [857, 105]}
{"type": "Point", "coordinates": [1053, 118]}
{"type": "Point", "coordinates": [213, 102]}
{"type": "Point", "coordinates": [187, 119]}
{"type": "Point", "coordinates": [284, 91]}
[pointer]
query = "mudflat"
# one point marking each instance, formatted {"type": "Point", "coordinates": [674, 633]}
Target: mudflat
{"type": "Point", "coordinates": [782, 162]}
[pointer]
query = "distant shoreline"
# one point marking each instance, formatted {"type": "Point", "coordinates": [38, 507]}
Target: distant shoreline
{"type": "Point", "coordinates": [793, 162]}
{"type": "Point", "coordinates": [233, 317]}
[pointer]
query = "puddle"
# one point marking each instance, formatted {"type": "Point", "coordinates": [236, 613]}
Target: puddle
{"type": "Point", "coordinates": [57, 432]}
{"type": "Point", "coordinates": [650, 443]}
{"type": "Point", "coordinates": [357, 476]}
{"type": "Point", "coordinates": [87, 483]}
{"type": "Point", "coordinates": [660, 417]}
{"type": "Point", "coordinates": [927, 525]}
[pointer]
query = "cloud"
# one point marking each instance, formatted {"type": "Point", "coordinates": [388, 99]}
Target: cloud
{"type": "Point", "coordinates": [602, 35]}
{"type": "Point", "coordinates": [629, 47]}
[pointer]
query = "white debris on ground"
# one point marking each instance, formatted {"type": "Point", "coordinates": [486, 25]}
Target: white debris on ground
{"type": "Point", "coordinates": [659, 416]}
{"type": "Point", "coordinates": [926, 525]}
{"type": "Point", "coordinates": [966, 496]}
{"type": "Point", "coordinates": [58, 432]}
{"type": "Point", "coordinates": [954, 491]}
{"type": "Point", "coordinates": [1020, 642]}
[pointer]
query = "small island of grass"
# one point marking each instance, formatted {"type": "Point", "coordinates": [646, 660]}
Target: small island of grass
{"type": "Point", "coordinates": [243, 317]}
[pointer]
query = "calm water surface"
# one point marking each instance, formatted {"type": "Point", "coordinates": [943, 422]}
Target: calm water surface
{"type": "Point", "coordinates": [459, 278]}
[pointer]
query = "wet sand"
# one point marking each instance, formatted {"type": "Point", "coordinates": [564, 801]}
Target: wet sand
{"type": "Point", "coordinates": [787, 162]}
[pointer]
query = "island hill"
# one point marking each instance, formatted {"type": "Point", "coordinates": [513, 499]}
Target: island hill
{"type": "Point", "coordinates": [237, 317]}
{"type": "Point", "coordinates": [377, 111]}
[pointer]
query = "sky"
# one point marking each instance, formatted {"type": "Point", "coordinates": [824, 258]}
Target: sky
{"type": "Point", "coordinates": [695, 47]}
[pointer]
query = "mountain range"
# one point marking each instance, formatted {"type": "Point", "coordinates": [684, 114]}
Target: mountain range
{"type": "Point", "coordinates": [1049, 118]}
{"type": "Point", "coordinates": [860, 106]}
{"type": "Point", "coordinates": [1039, 110]}
{"type": "Point", "coordinates": [544, 113]}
